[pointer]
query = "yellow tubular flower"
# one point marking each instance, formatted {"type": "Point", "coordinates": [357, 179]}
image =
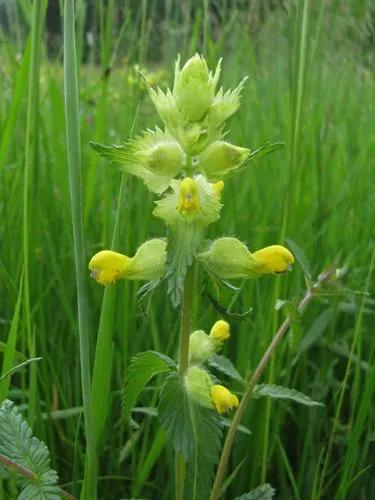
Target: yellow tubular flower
{"type": "Point", "coordinates": [273, 259]}
{"type": "Point", "coordinates": [188, 201]}
{"type": "Point", "coordinates": [147, 264]}
{"type": "Point", "coordinates": [220, 331]}
{"type": "Point", "coordinates": [222, 399]}
{"type": "Point", "coordinates": [108, 266]}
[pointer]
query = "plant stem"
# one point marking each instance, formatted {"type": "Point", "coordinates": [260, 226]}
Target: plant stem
{"type": "Point", "coordinates": [183, 361]}
{"type": "Point", "coordinates": [253, 381]}
{"type": "Point", "coordinates": [75, 186]}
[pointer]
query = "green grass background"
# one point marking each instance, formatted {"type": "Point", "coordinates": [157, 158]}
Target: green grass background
{"type": "Point", "coordinates": [311, 86]}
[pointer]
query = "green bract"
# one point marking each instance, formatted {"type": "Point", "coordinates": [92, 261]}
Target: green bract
{"type": "Point", "coordinates": [194, 87]}
{"type": "Point", "coordinates": [198, 385]}
{"type": "Point", "coordinates": [201, 346]}
{"type": "Point", "coordinates": [220, 158]}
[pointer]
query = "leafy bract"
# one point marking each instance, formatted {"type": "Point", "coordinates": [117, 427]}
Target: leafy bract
{"type": "Point", "coordinates": [18, 445]}
{"type": "Point", "coordinates": [183, 245]}
{"type": "Point", "coordinates": [224, 365]}
{"type": "Point", "coordinates": [142, 368]}
{"type": "Point", "coordinates": [195, 432]}
{"type": "Point", "coordinates": [122, 157]}
{"type": "Point", "coordinates": [266, 149]}
{"type": "Point", "coordinates": [279, 392]}
{"type": "Point", "coordinates": [263, 492]}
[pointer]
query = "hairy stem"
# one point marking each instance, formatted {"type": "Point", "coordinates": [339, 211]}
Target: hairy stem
{"type": "Point", "coordinates": [183, 362]}
{"type": "Point", "coordinates": [252, 383]}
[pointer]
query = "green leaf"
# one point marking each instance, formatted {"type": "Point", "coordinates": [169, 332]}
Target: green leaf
{"type": "Point", "coordinates": [301, 258]}
{"type": "Point", "coordinates": [279, 392]}
{"type": "Point", "coordinates": [195, 432]}
{"type": "Point", "coordinates": [263, 492]}
{"type": "Point", "coordinates": [142, 368]}
{"type": "Point", "coordinates": [266, 149]}
{"type": "Point", "coordinates": [18, 445]}
{"type": "Point", "coordinates": [224, 365]}
{"type": "Point", "coordinates": [183, 245]}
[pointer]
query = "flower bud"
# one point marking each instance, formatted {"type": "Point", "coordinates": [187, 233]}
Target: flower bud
{"type": "Point", "coordinates": [147, 264]}
{"type": "Point", "coordinates": [224, 105]}
{"type": "Point", "coordinates": [194, 87]}
{"type": "Point", "coordinates": [222, 399]}
{"type": "Point", "coordinates": [220, 331]}
{"type": "Point", "coordinates": [201, 347]}
{"type": "Point", "coordinates": [198, 386]}
{"type": "Point", "coordinates": [228, 258]}
{"type": "Point", "coordinates": [221, 157]}
{"type": "Point", "coordinates": [166, 106]}
{"type": "Point", "coordinates": [190, 137]}
{"type": "Point", "coordinates": [165, 158]}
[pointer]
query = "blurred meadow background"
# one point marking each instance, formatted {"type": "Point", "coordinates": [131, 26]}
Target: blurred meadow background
{"type": "Point", "coordinates": [311, 85]}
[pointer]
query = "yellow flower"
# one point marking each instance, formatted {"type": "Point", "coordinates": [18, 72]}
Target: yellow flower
{"type": "Point", "coordinates": [220, 331]}
{"type": "Point", "coordinates": [273, 259]}
{"type": "Point", "coordinates": [108, 266]}
{"type": "Point", "coordinates": [228, 258]}
{"type": "Point", "coordinates": [188, 201]}
{"type": "Point", "coordinates": [222, 399]}
{"type": "Point", "coordinates": [192, 202]}
{"type": "Point", "coordinates": [147, 264]}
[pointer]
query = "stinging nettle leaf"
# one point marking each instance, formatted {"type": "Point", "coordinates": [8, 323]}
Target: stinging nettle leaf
{"type": "Point", "coordinates": [279, 392]}
{"type": "Point", "coordinates": [263, 492]}
{"type": "Point", "coordinates": [195, 432]}
{"type": "Point", "coordinates": [142, 368]}
{"type": "Point", "coordinates": [18, 445]}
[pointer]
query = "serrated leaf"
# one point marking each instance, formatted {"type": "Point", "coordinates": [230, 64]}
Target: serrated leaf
{"type": "Point", "coordinates": [142, 368]}
{"type": "Point", "coordinates": [279, 392]}
{"type": "Point", "coordinates": [224, 365]}
{"type": "Point", "coordinates": [18, 444]}
{"type": "Point", "coordinates": [195, 432]}
{"type": "Point", "coordinates": [38, 492]}
{"type": "Point", "coordinates": [183, 245]}
{"type": "Point", "coordinates": [263, 492]}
